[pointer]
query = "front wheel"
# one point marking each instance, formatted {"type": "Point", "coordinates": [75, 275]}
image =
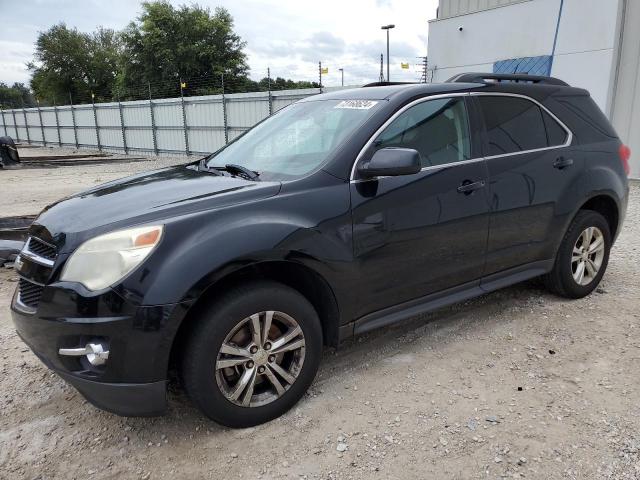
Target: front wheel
{"type": "Point", "coordinates": [582, 257]}
{"type": "Point", "coordinates": [253, 354]}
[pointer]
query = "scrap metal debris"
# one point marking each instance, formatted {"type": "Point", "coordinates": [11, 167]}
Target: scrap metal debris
{"type": "Point", "coordinates": [15, 228]}
{"type": "Point", "coordinates": [9, 156]}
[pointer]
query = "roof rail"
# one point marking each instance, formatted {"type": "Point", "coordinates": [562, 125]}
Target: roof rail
{"type": "Point", "coordinates": [505, 77]}
{"type": "Point", "coordinates": [384, 84]}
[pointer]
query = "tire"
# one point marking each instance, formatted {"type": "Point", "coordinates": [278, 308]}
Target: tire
{"type": "Point", "coordinates": [562, 279]}
{"type": "Point", "coordinates": [212, 376]}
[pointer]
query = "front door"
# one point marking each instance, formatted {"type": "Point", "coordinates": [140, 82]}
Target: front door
{"type": "Point", "coordinates": [423, 233]}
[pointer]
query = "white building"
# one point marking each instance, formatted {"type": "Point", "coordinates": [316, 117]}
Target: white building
{"type": "Point", "coordinates": [594, 44]}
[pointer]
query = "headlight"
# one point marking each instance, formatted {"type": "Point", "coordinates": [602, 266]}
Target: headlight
{"type": "Point", "coordinates": [102, 261]}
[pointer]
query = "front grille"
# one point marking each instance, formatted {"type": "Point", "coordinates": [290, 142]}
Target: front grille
{"type": "Point", "coordinates": [30, 293]}
{"type": "Point", "coordinates": [42, 249]}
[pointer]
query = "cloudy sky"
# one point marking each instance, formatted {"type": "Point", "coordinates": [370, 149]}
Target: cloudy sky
{"type": "Point", "coordinates": [289, 36]}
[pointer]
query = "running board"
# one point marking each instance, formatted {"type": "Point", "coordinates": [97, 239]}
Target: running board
{"type": "Point", "coordinates": [435, 301]}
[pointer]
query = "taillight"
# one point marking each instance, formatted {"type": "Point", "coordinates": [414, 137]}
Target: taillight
{"type": "Point", "coordinates": [625, 154]}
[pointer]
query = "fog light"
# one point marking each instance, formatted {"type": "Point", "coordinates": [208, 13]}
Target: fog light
{"type": "Point", "coordinates": [96, 353]}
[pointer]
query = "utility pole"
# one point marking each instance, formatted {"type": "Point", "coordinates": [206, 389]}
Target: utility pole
{"type": "Point", "coordinates": [320, 72]}
{"type": "Point", "coordinates": [381, 79]}
{"type": "Point", "coordinates": [387, 28]}
{"type": "Point", "coordinates": [341, 76]}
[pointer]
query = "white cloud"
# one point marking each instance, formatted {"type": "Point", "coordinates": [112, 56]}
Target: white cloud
{"type": "Point", "coordinates": [13, 61]}
{"type": "Point", "coordinates": [289, 36]}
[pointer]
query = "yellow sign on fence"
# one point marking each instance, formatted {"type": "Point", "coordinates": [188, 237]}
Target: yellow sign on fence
{"type": "Point", "coordinates": [405, 66]}
{"type": "Point", "coordinates": [324, 70]}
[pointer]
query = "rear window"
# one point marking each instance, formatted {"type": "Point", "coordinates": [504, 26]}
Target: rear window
{"type": "Point", "coordinates": [516, 125]}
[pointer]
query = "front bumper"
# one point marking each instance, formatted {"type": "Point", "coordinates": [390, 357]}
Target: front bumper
{"type": "Point", "coordinates": [133, 380]}
{"type": "Point", "coordinates": [126, 399]}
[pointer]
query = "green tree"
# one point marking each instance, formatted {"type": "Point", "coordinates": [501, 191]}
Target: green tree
{"type": "Point", "coordinates": [280, 83]}
{"type": "Point", "coordinates": [16, 96]}
{"type": "Point", "coordinates": [165, 44]}
{"type": "Point", "coordinates": [67, 61]}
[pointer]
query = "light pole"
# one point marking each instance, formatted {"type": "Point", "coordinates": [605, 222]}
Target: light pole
{"type": "Point", "coordinates": [342, 76]}
{"type": "Point", "coordinates": [387, 28]}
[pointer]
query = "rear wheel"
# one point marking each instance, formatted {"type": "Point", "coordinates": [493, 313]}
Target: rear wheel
{"type": "Point", "coordinates": [582, 257]}
{"type": "Point", "coordinates": [253, 354]}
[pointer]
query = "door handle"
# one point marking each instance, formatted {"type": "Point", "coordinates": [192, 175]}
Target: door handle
{"type": "Point", "coordinates": [468, 187]}
{"type": "Point", "coordinates": [562, 162]}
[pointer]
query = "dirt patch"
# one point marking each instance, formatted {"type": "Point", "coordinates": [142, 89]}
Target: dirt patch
{"type": "Point", "coordinates": [515, 384]}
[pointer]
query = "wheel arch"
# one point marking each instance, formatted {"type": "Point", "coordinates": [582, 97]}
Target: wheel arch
{"type": "Point", "coordinates": [606, 206]}
{"type": "Point", "coordinates": [313, 286]}
{"type": "Point", "coordinates": [607, 202]}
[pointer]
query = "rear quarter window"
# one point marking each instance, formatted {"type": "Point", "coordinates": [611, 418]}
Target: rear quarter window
{"type": "Point", "coordinates": [581, 114]}
{"type": "Point", "coordinates": [556, 135]}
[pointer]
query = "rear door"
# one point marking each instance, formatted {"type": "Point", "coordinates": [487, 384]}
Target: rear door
{"type": "Point", "coordinates": [419, 234]}
{"type": "Point", "coordinates": [530, 167]}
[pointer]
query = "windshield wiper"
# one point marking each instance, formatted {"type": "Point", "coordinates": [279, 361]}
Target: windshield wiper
{"type": "Point", "coordinates": [239, 169]}
{"type": "Point", "coordinates": [250, 174]}
{"type": "Point", "coordinates": [203, 167]}
{"type": "Point", "coordinates": [232, 168]}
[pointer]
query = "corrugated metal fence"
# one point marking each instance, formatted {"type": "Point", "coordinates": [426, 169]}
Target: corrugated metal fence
{"type": "Point", "coordinates": [190, 125]}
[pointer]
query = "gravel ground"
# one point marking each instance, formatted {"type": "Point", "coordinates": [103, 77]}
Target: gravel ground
{"type": "Point", "coordinates": [516, 384]}
{"type": "Point", "coordinates": [26, 191]}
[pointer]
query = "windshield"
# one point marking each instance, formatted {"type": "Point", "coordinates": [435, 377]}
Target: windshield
{"type": "Point", "coordinates": [296, 140]}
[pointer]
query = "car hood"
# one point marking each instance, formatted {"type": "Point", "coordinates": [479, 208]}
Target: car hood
{"type": "Point", "coordinates": [147, 197]}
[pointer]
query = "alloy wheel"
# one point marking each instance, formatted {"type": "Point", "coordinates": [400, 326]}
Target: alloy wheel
{"type": "Point", "coordinates": [588, 254]}
{"type": "Point", "coordinates": [260, 359]}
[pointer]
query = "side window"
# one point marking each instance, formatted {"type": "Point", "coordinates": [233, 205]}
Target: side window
{"type": "Point", "coordinates": [438, 129]}
{"type": "Point", "coordinates": [513, 124]}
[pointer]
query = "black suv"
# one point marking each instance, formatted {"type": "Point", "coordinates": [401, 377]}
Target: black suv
{"type": "Point", "coordinates": [341, 213]}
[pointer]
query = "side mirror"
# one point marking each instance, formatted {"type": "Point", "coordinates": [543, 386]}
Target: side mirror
{"type": "Point", "coordinates": [391, 162]}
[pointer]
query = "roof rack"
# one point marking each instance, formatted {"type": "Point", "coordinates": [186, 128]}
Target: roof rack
{"type": "Point", "coordinates": [505, 77]}
{"type": "Point", "coordinates": [384, 84]}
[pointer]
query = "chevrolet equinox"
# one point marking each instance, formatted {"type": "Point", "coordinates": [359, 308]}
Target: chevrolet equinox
{"type": "Point", "coordinates": [341, 213]}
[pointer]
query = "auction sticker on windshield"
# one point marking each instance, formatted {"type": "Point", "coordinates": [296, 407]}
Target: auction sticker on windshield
{"type": "Point", "coordinates": [356, 104]}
